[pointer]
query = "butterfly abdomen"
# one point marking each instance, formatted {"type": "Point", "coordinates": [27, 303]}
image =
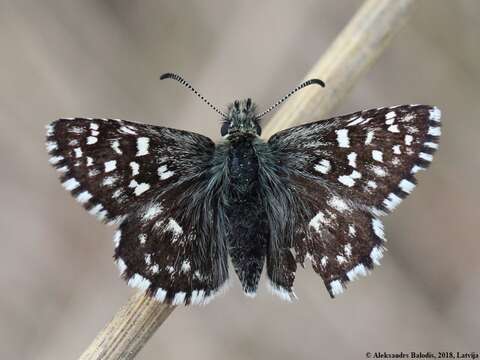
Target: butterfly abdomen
{"type": "Point", "coordinates": [248, 230]}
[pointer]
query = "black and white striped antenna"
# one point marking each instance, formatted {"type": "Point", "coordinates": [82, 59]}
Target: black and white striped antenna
{"type": "Point", "coordinates": [299, 87]}
{"type": "Point", "coordinates": [187, 85]}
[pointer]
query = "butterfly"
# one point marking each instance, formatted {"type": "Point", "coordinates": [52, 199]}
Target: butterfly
{"type": "Point", "coordinates": [185, 206]}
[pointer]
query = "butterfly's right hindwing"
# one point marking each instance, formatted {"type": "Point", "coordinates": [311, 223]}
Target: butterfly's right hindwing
{"type": "Point", "coordinates": [173, 246]}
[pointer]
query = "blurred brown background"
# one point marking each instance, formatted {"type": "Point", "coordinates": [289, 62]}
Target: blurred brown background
{"type": "Point", "coordinates": [58, 283]}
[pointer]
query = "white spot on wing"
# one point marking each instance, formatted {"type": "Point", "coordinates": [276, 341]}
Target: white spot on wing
{"type": "Point", "coordinates": [347, 249]}
{"type": "Point", "coordinates": [416, 169]}
{"type": "Point", "coordinates": [78, 152]}
{"type": "Point", "coordinates": [139, 282]}
{"type": "Point", "coordinates": [349, 180]}
{"type": "Point", "coordinates": [369, 137]}
{"type": "Point", "coordinates": [71, 184]}
{"type": "Point", "coordinates": [51, 145]}
{"type": "Point", "coordinates": [83, 197]}
{"type": "Point", "coordinates": [324, 261]}
{"type": "Point", "coordinates": [55, 159]}
{"type": "Point", "coordinates": [323, 166]}
{"type": "Point", "coordinates": [379, 171]}
{"type": "Point", "coordinates": [396, 150]}
{"type": "Point", "coordinates": [121, 265]}
{"type": "Point", "coordinates": [431, 145]}
{"type": "Point", "coordinates": [376, 254]}
{"type": "Point", "coordinates": [91, 140]}
{"type": "Point", "coordinates": [142, 238]}
{"type": "Point", "coordinates": [127, 130]}
{"type": "Point", "coordinates": [141, 188]}
{"type": "Point", "coordinates": [434, 131]}
{"type": "Point", "coordinates": [142, 146]}
{"type": "Point", "coordinates": [371, 184]}
{"type": "Point", "coordinates": [392, 201]}
{"type": "Point", "coordinates": [138, 188]}
{"type": "Point", "coordinates": [109, 181]}
{"type": "Point", "coordinates": [179, 298]}
{"type": "Point", "coordinates": [50, 130]}
{"type": "Point", "coordinates": [408, 140]}
{"type": "Point", "coordinates": [377, 155]}
{"type": "Point", "coordinates": [185, 266]}
{"type": "Point", "coordinates": [116, 238]}
{"type": "Point", "coordinates": [155, 269]}
{"type": "Point", "coordinates": [164, 173]}
{"type": "Point", "coordinates": [317, 220]}
{"type": "Point", "coordinates": [352, 159]}
{"type": "Point", "coordinates": [342, 138]}
{"type": "Point", "coordinates": [116, 147]}
{"type": "Point", "coordinates": [174, 228]}
{"type": "Point", "coordinates": [435, 114]}
{"type": "Point", "coordinates": [356, 121]}
{"type": "Point", "coordinates": [76, 130]}
{"type": "Point", "coordinates": [281, 292]}
{"type": "Point", "coordinates": [406, 186]}
{"type": "Point", "coordinates": [378, 228]}
{"type": "Point", "coordinates": [425, 156]}
{"type": "Point", "coordinates": [152, 212]}
{"type": "Point", "coordinates": [96, 209]}
{"type": "Point", "coordinates": [135, 168]}
{"type": "Point", "coordinates": [351, 231]}
{"type": "Point", "coordinates": [110, 165]}
{"type": "Point", "coordinates": [357, 271]}
{"type": "Point", "coordinates": [390, 115]}
{"type": "Point", "coordinates": [393, 128]}
{"type": "Point", "coordinates": [160, 294]}
{"type": "Point", "coordinates": [338, 204]}
{"type": "Point", "coordinates": [198, 297]}
{"type": "Point", "coordinates": [336, 287]}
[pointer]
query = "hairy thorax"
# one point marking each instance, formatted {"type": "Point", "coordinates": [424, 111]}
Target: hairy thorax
{"type": "Point", "coordinates": [243, 169]}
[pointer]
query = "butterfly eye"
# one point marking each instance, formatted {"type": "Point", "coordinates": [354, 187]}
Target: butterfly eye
{"type": "Point", "coordinates": [258, 128]}
{"type": "Point", "coordinates": [224, 128]}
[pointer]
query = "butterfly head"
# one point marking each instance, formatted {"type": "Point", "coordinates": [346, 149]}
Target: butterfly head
{"type": "Point", "coordinates": [241, 119]}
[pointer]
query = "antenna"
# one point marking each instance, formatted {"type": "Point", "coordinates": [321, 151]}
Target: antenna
{"type": "Point", "coordinates": [299, 87]}
{"type": "Point", "coordinates": [187, 85]}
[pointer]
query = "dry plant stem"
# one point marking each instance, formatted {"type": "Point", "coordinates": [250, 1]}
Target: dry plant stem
{"type": "Point", "coordinates": [129, 330]}
{"type": "Point", "coordinates": [352, 53]}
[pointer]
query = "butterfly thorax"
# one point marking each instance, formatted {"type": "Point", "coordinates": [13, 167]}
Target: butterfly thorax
{"type": "Point", "coordinates": [242, 168]}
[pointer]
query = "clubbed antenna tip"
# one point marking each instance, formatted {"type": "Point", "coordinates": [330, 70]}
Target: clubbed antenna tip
{"type": "Point", "coordinates": [299, 87]}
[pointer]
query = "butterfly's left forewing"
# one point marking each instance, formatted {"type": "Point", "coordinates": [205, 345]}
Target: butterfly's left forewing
{"type": "Point", "coordinates": [346, 172]}
{"type": "Point", "coordinates": [156, 184]}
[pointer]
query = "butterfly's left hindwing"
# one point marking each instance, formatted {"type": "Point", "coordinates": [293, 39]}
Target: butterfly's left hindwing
{"type": "Point", "coordinates": [346, 172]}
{"type": "Point", "coordinates": [156, 183]}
